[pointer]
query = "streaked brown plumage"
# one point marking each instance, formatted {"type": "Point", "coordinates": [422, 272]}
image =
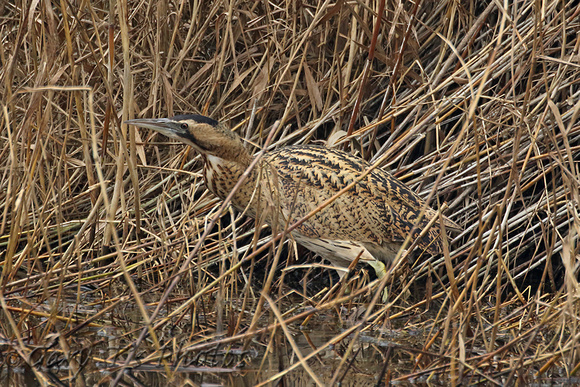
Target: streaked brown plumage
{"type": "Point", "coordinates": [374, 217]}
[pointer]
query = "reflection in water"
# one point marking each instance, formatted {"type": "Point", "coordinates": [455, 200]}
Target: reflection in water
{"type": "Point", "coordinates": [95, 350]}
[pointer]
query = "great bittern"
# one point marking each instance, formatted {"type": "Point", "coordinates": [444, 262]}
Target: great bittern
{"type": "Point", "coordinates": [369, 221]}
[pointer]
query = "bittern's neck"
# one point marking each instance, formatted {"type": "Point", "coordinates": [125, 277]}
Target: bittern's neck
{"type": "Point", "coordinates": [221, 175]}
{"type": "Point", "coordinates": [228, 147]}
{"type": "Point", "coordinates": [242, 157]}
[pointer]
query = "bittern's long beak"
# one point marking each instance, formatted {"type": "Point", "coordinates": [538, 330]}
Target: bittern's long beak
{"type": "Point", "coordinates": [164, 126]}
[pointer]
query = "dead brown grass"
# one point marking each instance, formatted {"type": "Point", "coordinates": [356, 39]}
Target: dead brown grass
{"type": "Point", "coordinates": [471, 103]}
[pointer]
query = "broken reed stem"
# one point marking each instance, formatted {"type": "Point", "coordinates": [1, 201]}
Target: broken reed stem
{"type": "Point", "coordinates": [481, 117]}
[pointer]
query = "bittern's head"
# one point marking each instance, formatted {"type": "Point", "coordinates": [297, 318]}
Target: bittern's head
{"type": "Point", "coordinates": [204, 134]}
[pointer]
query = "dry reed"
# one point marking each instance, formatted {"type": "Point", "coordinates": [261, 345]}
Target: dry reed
{"type": "Point", "coordinates": [114, 255]}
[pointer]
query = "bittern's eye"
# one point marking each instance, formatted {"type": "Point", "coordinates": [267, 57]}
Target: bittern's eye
{"type": "Point", "coordinates": [184, 126]}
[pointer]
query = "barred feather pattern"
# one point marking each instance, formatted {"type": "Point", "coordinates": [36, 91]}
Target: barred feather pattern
{"type": "Point", "coordinates": [369, 221]}
{"type": "Point", "coordinates": [374, 216]}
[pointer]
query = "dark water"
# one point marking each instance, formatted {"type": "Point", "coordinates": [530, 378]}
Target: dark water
{"type": "Point", "coordinates": [91, 354]}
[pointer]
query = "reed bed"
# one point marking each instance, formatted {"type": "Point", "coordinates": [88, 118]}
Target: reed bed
{"type": "Point", "coordinates": [116, 258]}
